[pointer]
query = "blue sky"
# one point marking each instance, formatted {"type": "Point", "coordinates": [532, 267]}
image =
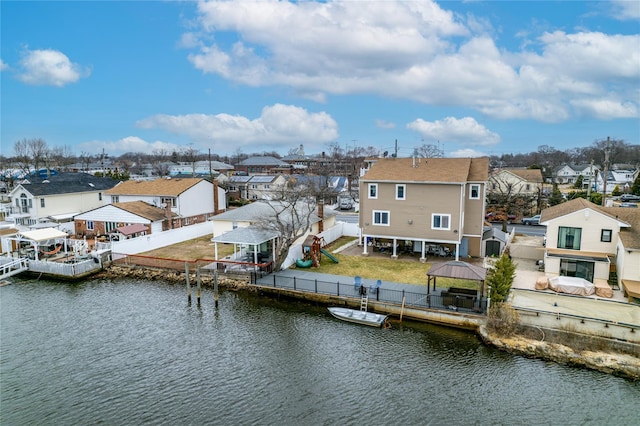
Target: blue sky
{"type": "Point", "coordinates": [475, 77]}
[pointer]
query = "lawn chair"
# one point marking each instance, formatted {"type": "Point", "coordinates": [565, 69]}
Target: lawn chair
{"type": "Point", "coordinates": [357, 282]}
{"type": "Point", "coordinates": [374, 289]}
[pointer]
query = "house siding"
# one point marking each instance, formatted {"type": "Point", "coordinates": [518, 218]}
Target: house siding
{"type": "Point", "coordinates": [422, 201]}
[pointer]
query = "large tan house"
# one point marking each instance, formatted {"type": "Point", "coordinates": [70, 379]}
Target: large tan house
{"type": "Point", "coordinates": [415, 203]}
{"type": "Point", "coordinates": [516, 181]}
{"type": "Point", "coordinates": [595, 243]}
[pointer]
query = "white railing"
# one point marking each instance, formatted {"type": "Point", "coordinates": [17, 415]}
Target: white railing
{"type": "Point", "coordinates": [162, 239]}
{"type": "Point", "coordinates": [64, 269]}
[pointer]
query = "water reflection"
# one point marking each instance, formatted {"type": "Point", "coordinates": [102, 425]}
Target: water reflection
{"type": "Point", "coordinates": [133, 352]}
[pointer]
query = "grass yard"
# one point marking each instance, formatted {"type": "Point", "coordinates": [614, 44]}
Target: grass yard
{"type": "Point", "coordinates": [198, 248]}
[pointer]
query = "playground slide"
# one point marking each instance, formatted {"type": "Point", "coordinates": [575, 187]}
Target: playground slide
{"type": "Point", "coordinates": [326, 253]}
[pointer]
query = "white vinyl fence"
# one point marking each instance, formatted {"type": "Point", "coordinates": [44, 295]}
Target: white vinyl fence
{"type": "Point", "coordinates": [161, 239]}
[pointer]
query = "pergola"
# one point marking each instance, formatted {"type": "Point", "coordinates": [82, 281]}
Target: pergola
{"type": "Point", "coordinates": [248, 236]}
{"type": "Point", "coordinates": [456, 269]}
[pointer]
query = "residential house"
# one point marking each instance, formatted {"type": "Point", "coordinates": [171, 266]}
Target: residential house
{"type": "Point", "coordinates": [568, 173]}
{"type": "Point", "coordinates": [527, 182]}
{"type": "Point", "coordinates": [257, 187]}
{"type": "Point", "coordinates": [416, 202]}
{"type": "Point", "coordinates": [123, 220]}
{"type": "Point", "coordinates": [521, 185]}
{"type": "Point", "coordinates": [263, 165]}
{"type": "Point", "coordinates": [247, 227]}
{"type": "Point", "coordinates": [592, 242]}
{"type": "Point", "coordinates": [193, 200]}
{"type": "Point", "coordinates": [57, 198]}
{"type": "Point", "coordinates": [199, 168]}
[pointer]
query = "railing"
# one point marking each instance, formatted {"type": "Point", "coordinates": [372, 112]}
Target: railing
{"type": "Point", "coordinates": [223, 266]}
{"type": "Point", "coordinates": [411, 299]}
{"type": "Point", "coordinates": [71, 270]}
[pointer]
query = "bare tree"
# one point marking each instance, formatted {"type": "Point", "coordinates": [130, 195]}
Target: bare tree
{"type": "Point", "coordinates": [30, 152]}
{"type": "Point", "coordinates": [292, 214]}
{"type": "Point", "coordinates": [160, 159]}
{"type": "Point", "coordinates": [429, 151]}
{"type": "Point", "coordinates": [190, 155]}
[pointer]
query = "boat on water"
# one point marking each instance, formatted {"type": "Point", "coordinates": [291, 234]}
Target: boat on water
{"type": "Point", "coordinates": [358, 317]}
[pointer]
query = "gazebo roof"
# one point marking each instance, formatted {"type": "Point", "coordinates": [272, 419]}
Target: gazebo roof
{"type": "Point", "coordinates": [458, 269]}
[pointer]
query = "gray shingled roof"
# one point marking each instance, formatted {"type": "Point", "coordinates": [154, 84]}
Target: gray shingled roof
{"type": "Point", "coordinates": [263, 161]}
{"type": "Point", "coordinates": [68, 183]}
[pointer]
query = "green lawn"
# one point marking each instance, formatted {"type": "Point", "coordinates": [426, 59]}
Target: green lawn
{"type": "Point", "coordinates": [409, 271]}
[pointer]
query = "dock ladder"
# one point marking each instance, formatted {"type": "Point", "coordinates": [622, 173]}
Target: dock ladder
{"type": "Point", "coordinates": [364, 301]}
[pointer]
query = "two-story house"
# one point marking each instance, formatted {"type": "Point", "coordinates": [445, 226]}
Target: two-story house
{"type": "Point", "coordinates": [257, 187]}
{"type": "Point", "coordinates": [568, 173]}
{"type": "Point", "coordinates": [193, 200]}
{"type": "Point", "coordinates": [419, 201]}
{"type": "Point", "coordinates": [58, 197]}
{"type": "Point", "coordinates": [592, 242]}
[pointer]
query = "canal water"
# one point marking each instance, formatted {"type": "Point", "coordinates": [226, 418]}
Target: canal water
{"type": "Point", "coordinates": [118, 352]}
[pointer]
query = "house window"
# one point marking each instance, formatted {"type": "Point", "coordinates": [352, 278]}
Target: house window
{"type": "Point", "coordinates": [605, 235]}
{"type": "Point", "coordinates": [528, 187]}
{"type": "Point", "coordinates": [474, 192]}
{"type": "Point", "coordinates": [440, 221]}
{"type": "Point", "coordinates": [380, 217]}
{"type": "Point", "coordinates": [109, 226]}
{"type": "Point", "coordinates": [401, 191]}
{"type": "Point", "coordinates": [234, 225]}
{"type": "Point", "coordinates": [115, 199]}
{"type": "Point", "coordinates": [41, 202]}
{"type": "Point", "coordinates": [254, 186]}
{"type": "Point", "coordinates": [168, 201]}
{"type": "Point", "coordinates": [90, 225]}
{"type": "Point", "coordinates": [569, 238]}
{"type": "Point", "coordinates": [99, 196]}
{"type": "Point", "coordinates": [373, 190]}
{"type": "Point", "coordinates": [577, 268]}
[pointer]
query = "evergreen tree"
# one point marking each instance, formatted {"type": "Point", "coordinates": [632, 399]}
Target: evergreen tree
{"type": "Point", "coordinates": [500, 278]}
{"type": "Point", "coordinates": [616, 191]}
{"type": "Point", "coordinates": [556, 196]}
{"type": "Point", "coordinates": [578, 184]}
{"type": "Point", "coordinates": [635, 188]}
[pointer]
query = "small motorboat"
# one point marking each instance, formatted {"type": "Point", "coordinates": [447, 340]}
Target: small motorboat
{"type": "Point", "coordinates": [358, 317]}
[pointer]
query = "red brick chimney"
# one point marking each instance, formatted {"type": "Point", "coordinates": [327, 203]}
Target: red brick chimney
{"type": "Point", "coordinates": [216, 210]}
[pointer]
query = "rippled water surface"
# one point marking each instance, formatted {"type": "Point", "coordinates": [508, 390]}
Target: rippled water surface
{"type": "Point", "coordinates": [134, 352]}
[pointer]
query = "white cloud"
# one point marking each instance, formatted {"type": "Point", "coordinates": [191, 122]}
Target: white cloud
{"type": "Point", "coordinates": [3, 65]}
{"type": "Point", "coordinates": [625, 9]}
{"type": "Point", "coordinates": [466, 153]}
{"type": "Point", "coordinates": [415, 51]}
{"type": "Point", "coordinates": [128, 144]}
{"type": "Point", "coordinates": [49, 68]}
{"type": "Point", "coordinates": [278, 126]}
{"type": "Point", "coordinates": [383, 124]}
{"type": "Point", "coordinates": [464, 131]}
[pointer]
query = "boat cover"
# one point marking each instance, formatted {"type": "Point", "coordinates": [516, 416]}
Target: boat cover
{"type": "Point", "coordinates": [572, 285]}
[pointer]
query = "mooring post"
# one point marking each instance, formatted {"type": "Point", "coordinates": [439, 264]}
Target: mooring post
{"type": "Point", "coordinates": [215, 288]}
{"type": "Point", "coordinates": [199, 284]}
{"type": "Point", "coordinates": [186, 273]}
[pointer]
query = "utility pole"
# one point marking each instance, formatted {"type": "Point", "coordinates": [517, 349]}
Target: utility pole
{"type": "Point", "coordinates": [589, 186]}
{"type": "Point", "coordinates": [606, 171]}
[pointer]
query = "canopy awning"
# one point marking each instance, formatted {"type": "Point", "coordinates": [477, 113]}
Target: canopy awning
{"type": "Point", "coordinates": [578, 255]}
{"type": "Point", "coordinates": [45, 234]}
{"type": "Point", "coordinates": [132, 229]}
{"type": "Point", "coordinates": [247, 235]}
{"type": "Point", "coordinates": [63, 216]}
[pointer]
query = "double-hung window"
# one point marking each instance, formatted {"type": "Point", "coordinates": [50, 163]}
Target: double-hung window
{"type": "Point", "coordinates": [401, 191]}
{"type": "Point", "coordinates": [569, 238]}
{"type": "Point", "coordinates": [373, 190]}
{"type": "Point", "coordinates": [381, 217]}
{"type": "Point", "coordinates": [474, 192]}
{"type": "Point", "coordinates": [441, 221]}
{"type": "Point", "coordinates": [605, 235]}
